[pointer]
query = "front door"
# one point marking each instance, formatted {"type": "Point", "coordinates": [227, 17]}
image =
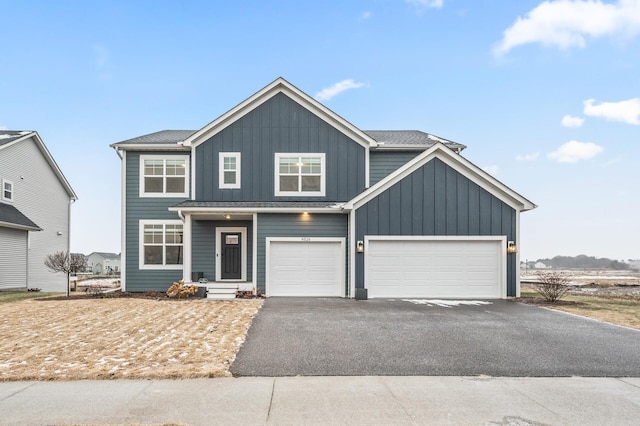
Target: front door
{"type": "Point", "coordinates": [231, 256]}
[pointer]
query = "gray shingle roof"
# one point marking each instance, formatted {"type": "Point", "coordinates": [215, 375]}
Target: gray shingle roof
{"type": "Point", "coordinates": [169, 137]}
{"type": "Point", "coordinates": [256, 204]}
{"type": "Point", "coordinates": [106, 255]}
{"type": "Point", "coordinates": [390, 138]}
{"type": "Point", "coordinates": [12, 216]}
{"type": "Point", "coordinates": [8, 136]}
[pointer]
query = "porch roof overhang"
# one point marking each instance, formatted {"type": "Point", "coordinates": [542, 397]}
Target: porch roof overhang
{"type": "Point", "coordinates": [246, 207]}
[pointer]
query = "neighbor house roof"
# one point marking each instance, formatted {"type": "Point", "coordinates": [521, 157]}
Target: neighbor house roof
{"type": "Point", "coordinates": [11, 217]}
{"type": "Point", "coordinates": [11, 137]}
{"type": "Point", "coordinates": [106, 255]}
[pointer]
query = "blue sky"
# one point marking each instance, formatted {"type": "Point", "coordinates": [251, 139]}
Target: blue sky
{"type": "Point", "coordinates": [546, 95]}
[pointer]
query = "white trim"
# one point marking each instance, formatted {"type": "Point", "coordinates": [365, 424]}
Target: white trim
{"type": "Point", "coordinates": [141, 224]}
{"type": "Point", "coordinates": [221, 170]}
{"type": "Point", "coordinates": [193, 173]}
{"type": "Point", "coordinates": [164, 194]}
{"type": "Point", "coordinates": [517, 254]}
{"type": "Point", "coordinates": [279, 85]}
{"type": "Point", "coordinates": [455, 161]}
{"type": "Point", "coordinates": [123, 219]}
{"type": "Point", "coordinates": [12, 191]}
{"type": "Point", "coordinates": [367, 166]}
{"type": "Point", "coordinates": [186, 249]}
{"type": "Point", "coordinates": [149, 147]}
{"type": "Point", "coordinates": [501, 238]}
{"type": "Point", "coordinates": [269, 240]}
{"type": "Point", "coordinates": [254, 256]}
{"type": "Point", "coordinates": [300, 193]}
{"type": "Point", "coordinates": [222, 210]}
{"type": "Point", "coordinates": [243, 261]}
{"type": "Point", "coordinates": [352, 254]}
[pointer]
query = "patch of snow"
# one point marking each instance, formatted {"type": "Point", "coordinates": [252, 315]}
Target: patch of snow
{"type": "Point", "coordinates": [446, 303]}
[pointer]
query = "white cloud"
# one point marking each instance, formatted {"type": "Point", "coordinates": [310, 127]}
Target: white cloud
{"type": "Point", "coordinates": [626, 111]}
{"type": "Point", "coordinates": [329, 92]}
{"type": "Point", "coordinates": [492, 169]}
{"type": "Point", "coordinates": [567, 23]}
{"type": "Point", "coordinates": [528, 157]}
{"type": "Point", "coordinates": [570, 121]}
{"type": "Point", "coordinates": [420, 4]}
{"type": "Point", "coordinates": [574, 151]}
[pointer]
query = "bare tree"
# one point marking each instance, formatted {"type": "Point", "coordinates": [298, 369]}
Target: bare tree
{"type": "Point", "coordinates": [552, 285]}
{"type": "Point", "coordinates": [63, 261]}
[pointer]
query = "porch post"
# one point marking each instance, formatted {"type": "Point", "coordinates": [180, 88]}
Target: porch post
{"type": "Point", "coordinates": [186, 248]}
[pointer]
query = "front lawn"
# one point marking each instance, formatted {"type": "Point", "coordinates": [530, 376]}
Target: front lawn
{"type": "Point", "coordinates": [14, 296]}
{"type": "Point", "coordinates": [616, 310]}
{"type": "Point", "coordinates": [117, 338]}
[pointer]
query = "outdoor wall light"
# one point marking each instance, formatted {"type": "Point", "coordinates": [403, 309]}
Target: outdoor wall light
{"type": "Point", "coordinates": [59, 233]}
{"type": "Point", "coordinates": [360, 246]}
{"type": "Point", "coordinates": [227, 216]}
{"type": "Point", "coordinates": [512, 247]}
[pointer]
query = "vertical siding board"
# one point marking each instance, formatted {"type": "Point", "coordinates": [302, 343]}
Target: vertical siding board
{"type": "Point", "coordinates": [394, 201]}
{"type": "Point", "coordinates": [451, 197]}
{"type": "Point", "coordinates": [474, 209]}
{"type": "Point", "coordinates": [428, 204]}
{"type": "Point", "coordinates": [373, 215]}
{"type": "Point", "coordinates": [462, 204]}
{"type": "Point", "coordinates": [406, 206]}
{"type": "Point", "coordinates": [496, 217]}
{"type": "Point", "coordinates": [417, 183]}
{"type": "Point", "coordinates": [440, 203]}
{"type": "Point", "coordinates": [384, 207]}
{"type": "Point", "coordinates": [485, 213]}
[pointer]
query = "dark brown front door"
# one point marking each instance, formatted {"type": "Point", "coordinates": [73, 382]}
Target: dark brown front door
{"type": "Point", "coordinates": [231, 262]}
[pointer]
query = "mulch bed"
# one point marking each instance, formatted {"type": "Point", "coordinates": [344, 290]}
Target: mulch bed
{"type": "Point", "coordinates": [542, 302]}
{"type": "Point", "coordinates": [151, 295]}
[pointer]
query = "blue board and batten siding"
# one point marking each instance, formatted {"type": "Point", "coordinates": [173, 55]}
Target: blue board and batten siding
{"type": "Point", "coordinates": [298, 226]}
{"type": "Point", "coordinates": [137, 209]}
{"type": "Point", "coordinates": [436, 200]}
{"type": "Point", "coordinates": [203, 235]}
{"type": "Point", "coordinates": [279, 125]}
{"type": "Point", "coordinates": [383, 163]}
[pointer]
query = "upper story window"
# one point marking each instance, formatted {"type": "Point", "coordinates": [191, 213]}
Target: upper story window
{"type": "Point", "coordinates": [300, 174]}
{"type": "Point", "coordinates": [7, 190]}
{"type": "Point", "coordinates": [229, 167]}
{"type": "Point", "coordinates": [161, 244]}
{"type": "Point", "coordinates": [164, 176]}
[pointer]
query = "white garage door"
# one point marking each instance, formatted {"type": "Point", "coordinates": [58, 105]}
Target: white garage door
{"type": "Point", "coordinates": [435, 268]}
{"type": "Point", "coordinates": [313, 267]}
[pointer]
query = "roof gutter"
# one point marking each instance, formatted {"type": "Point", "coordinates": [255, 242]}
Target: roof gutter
{"type": "Point", "coordinates": [115, 148]}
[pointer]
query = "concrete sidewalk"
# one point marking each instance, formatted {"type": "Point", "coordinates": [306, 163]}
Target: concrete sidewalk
{"type": "Point", "coordinates": [326, 400]}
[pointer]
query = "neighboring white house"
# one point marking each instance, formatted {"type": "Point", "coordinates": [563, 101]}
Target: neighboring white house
{"type": "Point", "coordinates": [103, 263]}
{"type": "Point", "coordinates": [35, 207]}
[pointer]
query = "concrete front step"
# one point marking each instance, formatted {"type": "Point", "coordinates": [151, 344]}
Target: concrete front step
{"type": "Point", "coordinates": [221, 291]}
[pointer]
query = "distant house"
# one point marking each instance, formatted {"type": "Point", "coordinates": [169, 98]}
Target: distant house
{"type": "Point", "coordinates": [282, 196]}
{"type": "Point", "coordinates": [35, 205]}
{"type": "Point", "coordinates": [540, 265]}
{"type": "Point", "coordinates": [103, 263]}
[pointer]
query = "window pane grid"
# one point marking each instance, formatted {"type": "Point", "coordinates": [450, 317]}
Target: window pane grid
{"type": "Point", "coordinates": [163, 244]}
{"type": "Point", "coordinates": [300, 174]}
{"type": "Point", "coordinates": [164, 176]}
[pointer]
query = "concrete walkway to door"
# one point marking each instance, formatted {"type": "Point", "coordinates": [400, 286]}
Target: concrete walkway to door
{"type": "Point", "coordinates": [336, 337]}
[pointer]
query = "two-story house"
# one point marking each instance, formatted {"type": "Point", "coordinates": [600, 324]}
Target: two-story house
{"type": "Point", "coordinates": [103, 263]}
{"type": "Point", "coordinates": [282, 196]}
{"type": "Point", "coordinates": [35, 207]}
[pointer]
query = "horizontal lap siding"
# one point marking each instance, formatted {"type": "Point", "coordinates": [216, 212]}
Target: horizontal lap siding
{"type": "Point", "coordinates": [13, 258]}
{"type": "Point", "coordinates": [144, 209]}
{"type": "Point", "coordinates": [280, 125]}
{"type": "Point", "coordinates": [437, 200]}
{"type": "Point", "coordinates": [383, 163]}
{"type": "Point", "coordinates": [203, 252]}
{"type": "Point", "coordinates": [297, 225]}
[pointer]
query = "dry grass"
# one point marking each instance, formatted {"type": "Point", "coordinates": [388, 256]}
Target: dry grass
{"type": "Point", "coordinates": [623, 311]}
{"type": "Point", "coordinates": [121, 338]}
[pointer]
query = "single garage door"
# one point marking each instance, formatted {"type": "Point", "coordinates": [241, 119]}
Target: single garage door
{"type": "Point", "coordinates": [428, 268]}
{"type": "Point", "coordinates": [305, 267]}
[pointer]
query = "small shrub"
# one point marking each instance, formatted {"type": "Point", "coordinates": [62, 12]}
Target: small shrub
{"type": "Point", "coordinates": [180, 290]}
{"type": "Point", "coordinates": [553, 286]}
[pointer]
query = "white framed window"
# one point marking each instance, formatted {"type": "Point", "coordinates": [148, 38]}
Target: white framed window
{"type": "Point", "coordinates": [300, 174]}
{"type": "Point", "coordinates": [7, 190]}
{"type": "Point", "coordinates": [164, 176]}
{"type": "Point", "coordinates": [161, 244]}
{"type": "Point", "coordinates": [229, 170]}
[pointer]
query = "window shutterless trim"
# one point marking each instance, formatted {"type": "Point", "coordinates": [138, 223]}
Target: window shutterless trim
{"type": "Point", "coordinates": [11, 191]}
{"type": "Point", "coordinates": [141, 264]}
{"type": "Point", "coordinates": [164, 193]}
{"type": "Point", "coordinates": [299, 192]}
{"type": "Point", "coordinates": [221, 170]}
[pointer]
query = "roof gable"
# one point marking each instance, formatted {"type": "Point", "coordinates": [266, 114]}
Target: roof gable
{"type": "Point", "coordinates": [15, 137]}
{"type": "Point", "coordinates": [458, 163]}
{"type": "Point", "coordinates": [280, 85]}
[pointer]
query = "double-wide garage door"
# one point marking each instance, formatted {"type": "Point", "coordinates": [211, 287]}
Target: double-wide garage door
{"type": "Point", "coordinates": [305, 267]}
{"type": "Point", "coordinates": [435, 268]}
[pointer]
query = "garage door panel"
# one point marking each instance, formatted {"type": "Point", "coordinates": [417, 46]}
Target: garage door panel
{"type": "Point", "coordinates": [313, 268]}
{"type": "Point", "coordinates": [434, 268]}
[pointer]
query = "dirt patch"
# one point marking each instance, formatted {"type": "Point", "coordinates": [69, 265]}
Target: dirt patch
{"type": "Point", "coordinates": [123, 337]}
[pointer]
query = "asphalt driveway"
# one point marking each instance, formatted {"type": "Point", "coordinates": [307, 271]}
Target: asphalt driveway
{"type": "Point", "coordinates": [335, 337]}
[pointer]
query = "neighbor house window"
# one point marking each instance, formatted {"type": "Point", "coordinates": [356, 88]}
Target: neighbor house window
{"type": "Point", "coordinates": [164, 176]}
{"type": "Point", "coordinates": [229, 167]}
{"type": "Point", "coordinates": [7, 190]}
{"type": "Point", "coordinates": [161, 244]}
{"type": "Point", "coordinates": [300, 174]}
